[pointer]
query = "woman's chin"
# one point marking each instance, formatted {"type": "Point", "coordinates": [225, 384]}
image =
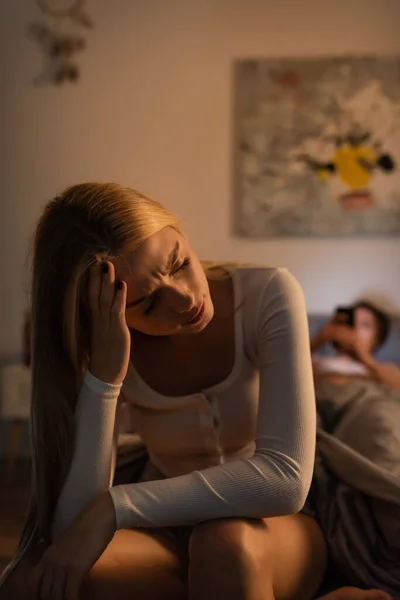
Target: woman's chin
{"type": "Point", "coordinates": [202, 325]}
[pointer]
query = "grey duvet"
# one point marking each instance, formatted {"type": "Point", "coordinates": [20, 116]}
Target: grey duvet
{"type": "Point", "coordinates": [356, 486]}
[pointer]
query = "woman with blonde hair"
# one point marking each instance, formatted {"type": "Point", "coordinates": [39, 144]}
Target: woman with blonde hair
{"type": "Point", "coordinates": [215, 367]}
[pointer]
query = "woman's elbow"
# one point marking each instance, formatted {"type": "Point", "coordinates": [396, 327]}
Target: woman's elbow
{"type": "Point", "coordinates": [296, 496]}
{"type": "Point", "coordinates": [290, 499]}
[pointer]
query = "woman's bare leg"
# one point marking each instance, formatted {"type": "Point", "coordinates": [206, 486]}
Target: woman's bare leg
{"type": "Point", "coordinates": [136, 564]}
{"type": "Point", "coordinates": [282, 558]}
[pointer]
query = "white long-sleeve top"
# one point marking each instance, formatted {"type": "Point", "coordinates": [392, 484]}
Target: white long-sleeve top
{"type": "Point", "coordinates": [242, 448]}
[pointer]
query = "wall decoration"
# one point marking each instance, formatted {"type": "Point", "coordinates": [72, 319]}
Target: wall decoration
{"type": "Point", "coordinates": [58, 46]}
{"type": "Point", "coordinates": [317, 147]}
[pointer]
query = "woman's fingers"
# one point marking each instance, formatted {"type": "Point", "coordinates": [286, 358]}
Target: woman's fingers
{"type": "Point", "coordinates": [119, 305]}
{"type": "Point", "coordinates": [45, 585]}
{"type": "Point", "coordinates": [56, 583]}
{"type": "Point", "coordinates": [42, 581]}
{"type": "Point", "coordinates": [110, 337]}
{"type": "Point", "coordinates": [101, 288]}
{"type": "Point", "coordinates": [48, 577]}
{"type": "Point", "coordinates": [60, 576]}
{"type": "Point", "coordinates": [73, 585]}
{"type": "Point", "coordinates": [107, 292]}
{"type": "Point", "coordinates": [34, 587]}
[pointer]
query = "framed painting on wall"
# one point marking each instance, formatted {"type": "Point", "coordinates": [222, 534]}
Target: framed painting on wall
{"type": "Point", "coordinates": [317, 147]}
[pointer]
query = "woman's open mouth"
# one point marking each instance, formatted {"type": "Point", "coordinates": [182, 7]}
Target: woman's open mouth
{"type": "Point", "coordinates": [198, 316]}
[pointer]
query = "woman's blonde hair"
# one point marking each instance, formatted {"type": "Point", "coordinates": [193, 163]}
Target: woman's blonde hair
{"type": "Point", "coordinates": [85, 223]}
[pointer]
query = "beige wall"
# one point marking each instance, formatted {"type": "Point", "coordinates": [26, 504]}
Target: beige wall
{"type": "Point", "coordinates": [153, 110]}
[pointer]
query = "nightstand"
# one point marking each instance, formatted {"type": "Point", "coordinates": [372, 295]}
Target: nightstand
{"type": "Point", "coordinates": [15, 402]}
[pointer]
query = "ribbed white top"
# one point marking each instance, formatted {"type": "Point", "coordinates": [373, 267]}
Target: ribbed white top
{"type": "Point", "coordinates": [243, 448]}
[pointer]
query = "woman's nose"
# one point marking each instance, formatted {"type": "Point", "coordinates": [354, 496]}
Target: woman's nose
{"type": "Point", "coordinates": [181, 300]}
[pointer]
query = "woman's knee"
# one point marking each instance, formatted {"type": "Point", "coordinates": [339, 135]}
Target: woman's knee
{"type": "Point", "coordinates": [230, 541]}
{"type": "Point", "coordinates": [286, 554]}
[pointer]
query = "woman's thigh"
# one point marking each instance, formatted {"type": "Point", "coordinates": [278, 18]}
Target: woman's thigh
{"type": "Point", "coordinates": [136, 564]}
{"type": "Point", "coordinates": [153, 566]}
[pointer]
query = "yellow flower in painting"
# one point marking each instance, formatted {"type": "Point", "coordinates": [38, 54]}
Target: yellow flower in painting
{"type": "Point", "coordinates": [354, 164]}
{"type": "Point", "coordinates": [354, 161]}
{"type": "Point", "coordinates": [322, 173]}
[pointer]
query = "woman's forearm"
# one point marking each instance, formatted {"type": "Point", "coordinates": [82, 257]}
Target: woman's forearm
{"type": "Point", "coordinates": [91, 469]}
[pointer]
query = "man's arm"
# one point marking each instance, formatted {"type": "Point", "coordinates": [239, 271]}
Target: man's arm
{"type": "Point", "coordinates": [388, 373]}
{"type": "Point", "coordinates": [319, 339]}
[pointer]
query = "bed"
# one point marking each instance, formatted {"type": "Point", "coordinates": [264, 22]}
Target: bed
{"type": "Point", "coordinates": [357, 475]}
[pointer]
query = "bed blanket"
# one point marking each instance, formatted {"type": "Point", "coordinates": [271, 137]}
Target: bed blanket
{"type": "Point", "coordinates": [356, 487]}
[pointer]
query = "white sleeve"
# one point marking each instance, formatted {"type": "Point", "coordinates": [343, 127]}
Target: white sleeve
{"type": "Point", "coordinates": [276, 480]}
{"type": "Point", "coordinates": [93, 462]}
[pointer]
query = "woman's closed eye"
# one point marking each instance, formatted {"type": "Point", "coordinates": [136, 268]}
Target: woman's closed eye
{"type": "Point", "coordinates": [184, 265]}
{"type": "Point", "coordinates": [153, 300]}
